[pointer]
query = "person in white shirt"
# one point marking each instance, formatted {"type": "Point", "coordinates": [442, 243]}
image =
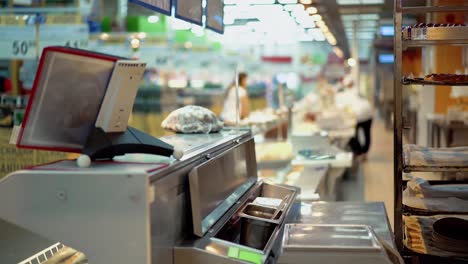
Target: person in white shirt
{"type": "Point", "coordinates": [229, 109]}
{"type": "Point", "coordinates": [350, 98]}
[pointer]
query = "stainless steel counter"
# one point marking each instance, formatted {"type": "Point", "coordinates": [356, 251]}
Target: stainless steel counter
{"type": "Point", "coordinates": [350, 213]}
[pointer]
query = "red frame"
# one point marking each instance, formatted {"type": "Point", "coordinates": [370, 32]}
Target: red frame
{"type": "Point", "coordinates": [66, 50]}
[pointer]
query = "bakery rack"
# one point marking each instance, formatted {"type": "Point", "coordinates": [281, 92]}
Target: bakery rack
{"type": "Point", "coordinates": [399, 81]}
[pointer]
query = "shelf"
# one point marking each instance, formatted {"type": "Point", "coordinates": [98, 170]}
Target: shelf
{"type": "Point", "coordinates": [422, 159]}
{"type": "Point", "coordinates": [432, 9]}
{"type": "Point", "coordinates": [424, 43]}
{"type": "Point", "coordinates": [419, 239]}
{"type": "Point", "coordinates": [421, 81]}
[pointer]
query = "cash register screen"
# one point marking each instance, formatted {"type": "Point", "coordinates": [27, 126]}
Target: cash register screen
{"type": "Point", "coordinates": [66, 100]}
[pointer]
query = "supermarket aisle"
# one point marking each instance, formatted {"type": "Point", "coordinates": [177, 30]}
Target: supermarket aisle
{"type": "Point", "coordinates": [378, 170]}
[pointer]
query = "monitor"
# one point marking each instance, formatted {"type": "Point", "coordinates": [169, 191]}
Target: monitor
{"type": "Point", "coordinates": [190, 11]}
{"type": "Point", "coordinates": [386, 58]}
{"type": "Point", "coordinates": [215, 15]}
{"type": "Point", "coordinates": [67, 93]}
{"type": "Point", "coordinates": [387, 31]}
{"type": "Point", "coordinates": [161, 6]}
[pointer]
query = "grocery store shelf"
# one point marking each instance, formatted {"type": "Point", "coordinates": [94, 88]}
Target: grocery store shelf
{"type": "Point", "coordinates": [423, 43]}
{"type": "Point", "coordinates": [421, 81]}
{"type": "Point", "coordinates": [432, 9]}
{"type": "Point", "coordinates": [422, 159]}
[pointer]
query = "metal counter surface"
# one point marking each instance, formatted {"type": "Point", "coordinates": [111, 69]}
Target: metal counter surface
{"type": "Point", "coordinates": [349, 213]}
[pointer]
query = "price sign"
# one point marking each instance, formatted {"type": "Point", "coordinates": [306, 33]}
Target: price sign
{"type": "Point", "coordinates": [17, 42]}
{"type": "Point", "coordinates": [75, 36]}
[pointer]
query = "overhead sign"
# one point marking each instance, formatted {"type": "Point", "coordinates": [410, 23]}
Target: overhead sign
{"type": "Point", "coordinates": [162, 6]}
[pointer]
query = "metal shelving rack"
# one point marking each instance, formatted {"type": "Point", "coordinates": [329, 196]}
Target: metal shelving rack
{"type": "Point", "coordinates": [400, 45]}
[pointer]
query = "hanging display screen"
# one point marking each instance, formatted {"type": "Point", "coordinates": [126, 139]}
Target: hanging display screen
{"type": "Point", "coordinates": [215, 15]}
{"type": "Point", "coordinates": [161, 6]}
{"type": "Point", "coordinates": [189, 10]}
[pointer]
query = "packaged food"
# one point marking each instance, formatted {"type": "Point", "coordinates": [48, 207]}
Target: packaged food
{"type": "Point", "coordinates": [192, 119]}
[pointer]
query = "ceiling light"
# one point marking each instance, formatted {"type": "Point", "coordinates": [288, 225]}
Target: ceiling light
{"type": "Point", "coordinates": [311, 10]}
{"type": "Point", "coordinates": [351, 62]}
{"type": "Point", "coordinates": [338, 52]}
{"type": "Point", "coordinates": [306, 2]}
{"type": "Point", "coordinates": [287, 1]}
{"type": "Point", "coordinates": [316, 17]}
{"type": "Point", "coordinates": [292, 8]}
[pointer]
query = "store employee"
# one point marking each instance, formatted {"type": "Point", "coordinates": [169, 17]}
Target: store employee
{"type": "Point", "coordinates": [229, 108]}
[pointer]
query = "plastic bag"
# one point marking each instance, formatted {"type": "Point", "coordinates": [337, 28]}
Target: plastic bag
{"type": "Point", "coordinates": [192, 119]}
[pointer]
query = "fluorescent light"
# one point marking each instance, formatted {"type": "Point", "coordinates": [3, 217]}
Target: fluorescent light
{"type": "Point", "coordinates": [311, 10]}
{"type": "Point", "coordinates": [349, 2]}
{"type": "Point", "coordinates": [370, 17]}
{"type": "Point", "coordinates": [338, 52]}
{"type": "Point", "coordinates": [287, 1]}
{"type": "Point", "coordinates": [306, 2]}
{"type": "Point", "coordinates": [316, 17]}
{"type": "Point", "coordinates": [360, 2]}
{"type": "Point", "coordinates": [292, 8]}
{"type": "Point", "coordinates": [375, 2]}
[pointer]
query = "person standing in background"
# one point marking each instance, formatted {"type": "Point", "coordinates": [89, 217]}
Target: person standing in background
{"type": "Point", "coordinates": [229, 109]}
{"type": "Point", "coordinates": [361, 107]}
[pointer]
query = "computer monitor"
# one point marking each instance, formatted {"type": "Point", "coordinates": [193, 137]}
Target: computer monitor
{"type": "Point", "coordinates": [189, 10]}
{"type": "Point", "coordinates": [215, 15]}
{"type": "Point", "coordinates": [386, 58]}
{"type": "Point", "coordinates": [161, 6]}
{"type": "Point", "coordinates": [67, 93]}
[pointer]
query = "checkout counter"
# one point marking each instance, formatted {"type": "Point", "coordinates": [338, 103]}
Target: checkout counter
{"type": "Point", "coordinates": [203, 208]}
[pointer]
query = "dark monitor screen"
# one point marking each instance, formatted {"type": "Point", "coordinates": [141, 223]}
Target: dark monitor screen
{"type": "Point", "coordinates": [215, 15]}
{"type": "Point", "coordinates": [67, 94]}
{"type": "Point", "coordinates": [190, 11]}
{"type": "Point", "coordinates": [162, 6]}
